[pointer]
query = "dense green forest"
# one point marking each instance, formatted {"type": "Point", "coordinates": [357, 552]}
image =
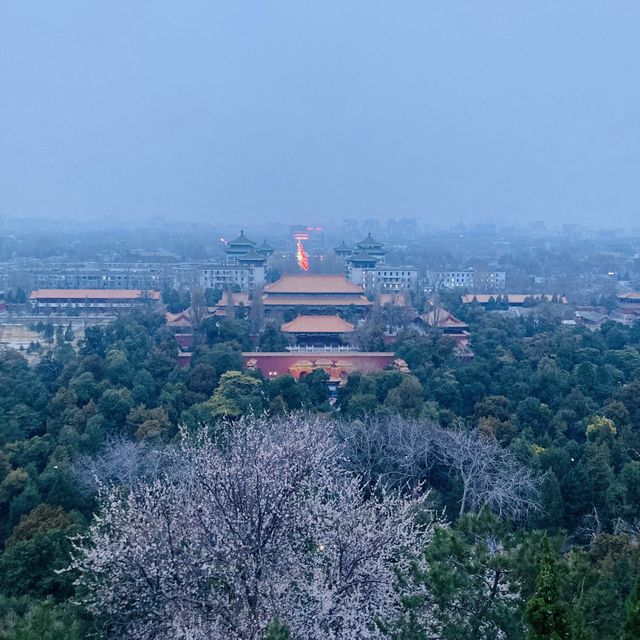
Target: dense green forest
{"type": "Point", "coordinates": [562, 402]}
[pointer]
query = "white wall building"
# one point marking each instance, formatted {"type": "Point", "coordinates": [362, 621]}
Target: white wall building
{"type": "Point", "coordinates": [486, 281]}
{"type": "Point", "coordinates": [223, 276]}
{"type": "Point", "coordinates": [384, 279]}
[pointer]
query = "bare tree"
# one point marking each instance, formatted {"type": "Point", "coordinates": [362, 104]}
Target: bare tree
{"type": "Point", "coordinates": [397, 317]}
{"type": "Point", "coordinates": [623, 527]}
{"type": "Point", "coordinates": [266, 524]}
{"type": "Point", "coordinates": [229, 304]}
{"type": "Point", "coordinates": [403, 452]}
{"type": "Point", "coordinates": [198, 305]}
{"type": "Point", "coordinates": [591, 527]}
{"type": "Point", "coordinates": [489, 474]}
{"type": "Point", "coordinates": [393, 451]}
{"type": "Point", "coordinates": [121, 463]}
{"type": "Point", "coordinates": [256, 313]}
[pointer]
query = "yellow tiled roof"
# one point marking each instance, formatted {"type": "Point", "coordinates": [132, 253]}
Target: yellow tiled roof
{"type": "Point", "coordinates": [317, 324]}
{"type": "Point", "coordinates": [317, 284]}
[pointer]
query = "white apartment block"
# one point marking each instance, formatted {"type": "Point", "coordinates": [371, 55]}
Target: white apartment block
{"type": "Point", "coordinates": [468, 279]}
{"type": "Point", "coordinates": [385, 279]}
{"type": "Point", "coordinates": [223, 276]}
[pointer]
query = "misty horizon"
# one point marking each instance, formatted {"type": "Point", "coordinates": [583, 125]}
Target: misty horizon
{"type": "Point", "coordinates": [243, 113]}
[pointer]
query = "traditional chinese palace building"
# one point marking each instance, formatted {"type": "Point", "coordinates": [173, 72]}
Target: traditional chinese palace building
{"type": "Point", "coordinates": [318, 330]}
{"type": "Point", "coordinates": [313, 295]}
{"type": "Point", "coordinates": [452, 327]}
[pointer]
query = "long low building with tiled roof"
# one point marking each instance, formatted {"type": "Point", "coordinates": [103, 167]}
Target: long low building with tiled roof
{"type": "Point", "coordinates": [629, 296]}
{"type": "Point", "coordinates": [98, 300]}
{"type": "Point", "coordinates": [513, 299]}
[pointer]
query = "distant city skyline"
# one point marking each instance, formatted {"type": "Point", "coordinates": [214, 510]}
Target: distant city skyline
{"type": "Point", "coordinates": [240, 112]}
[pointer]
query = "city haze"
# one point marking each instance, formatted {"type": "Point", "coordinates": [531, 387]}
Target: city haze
{"type": "Point", "coordinates": [296, 111]}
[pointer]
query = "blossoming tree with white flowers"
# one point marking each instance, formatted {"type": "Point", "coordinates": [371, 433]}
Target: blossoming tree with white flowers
{"type": "Point", "coordinates": [263, 525]}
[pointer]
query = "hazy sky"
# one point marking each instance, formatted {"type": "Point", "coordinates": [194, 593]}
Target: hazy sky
{"type": "Point", "coordinates": [318, 110]}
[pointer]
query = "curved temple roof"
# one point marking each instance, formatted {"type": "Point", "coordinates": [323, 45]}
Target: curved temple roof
{"type": "Point", "coordinates": [314, 284]}
{"type": "Point", "coordinates": [317, 324]}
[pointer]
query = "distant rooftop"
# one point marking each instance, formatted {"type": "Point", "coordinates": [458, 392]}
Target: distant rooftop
{"type": "Point", "coordinates": [439, 317]}
{"type": "Point", "coordinates": [513, 298]}
{"type": "Point", "coordinates": [630, 295]}
{"type": "Point", "coordinates": [369, 242]}
{"type": "Point", "coordinates": [313, 284]}
{"type": "Point", "coordinates": [242, 240]}
{"type": "Point", "coordinates": [93, 294]}
{"type": "Point", "coordinates": [363, 256]}
{"type": "Point", "coordinates": [237, 298]}
{"type": "Point", "coordinates": [395, 299]}
{"type": "Point", "coordinates": [317, 324]}
{"type": "Point", "coordinates": [343, 248]}
{"type": "Point", "coordinates": [251, 256]}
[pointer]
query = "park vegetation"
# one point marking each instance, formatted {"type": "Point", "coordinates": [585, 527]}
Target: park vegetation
{"type": "Point", "coordinates": [492, 498]}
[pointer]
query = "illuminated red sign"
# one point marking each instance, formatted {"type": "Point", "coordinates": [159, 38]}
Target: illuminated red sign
{"type": "Point", "coordinates": [302, 257]}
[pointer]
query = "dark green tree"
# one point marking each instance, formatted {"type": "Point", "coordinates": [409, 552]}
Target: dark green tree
{"type": "Point", "coordinates": [237, 394]}
{"type": "Point", "coordinates": [317, 383]}
{"type": "Point", "coordinates": [546, 614]}
{"type": "Point", "coordinates": [631, 630]}
{"type": "Point", "coordinates": [272, 340]}
{"type": "Point", "coordinates": [471, 584]}
{"type": "Point", "coordinates": [277, 631]}
{"type": "Point", "coordinates": [46, 621]}
{"type": "Point", "coordinates": [68, 334]}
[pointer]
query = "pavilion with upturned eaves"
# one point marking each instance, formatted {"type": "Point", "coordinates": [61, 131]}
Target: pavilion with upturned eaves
{"type": "Point", "coordinates": [372, 247]}
{"type": "Point", "coordinates": [366, 253]}
{"type": "Point", "coordinates": [238, 247]}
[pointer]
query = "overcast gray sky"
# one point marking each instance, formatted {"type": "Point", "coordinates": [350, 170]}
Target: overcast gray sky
{"type": "Point", "coordinates": [309, 110]}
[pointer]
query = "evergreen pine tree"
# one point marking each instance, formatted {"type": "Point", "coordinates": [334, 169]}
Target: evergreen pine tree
{"type": "Point", "coordinates": [578, 628]}
{"type": "Point", "coordinates": [546, 614]}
